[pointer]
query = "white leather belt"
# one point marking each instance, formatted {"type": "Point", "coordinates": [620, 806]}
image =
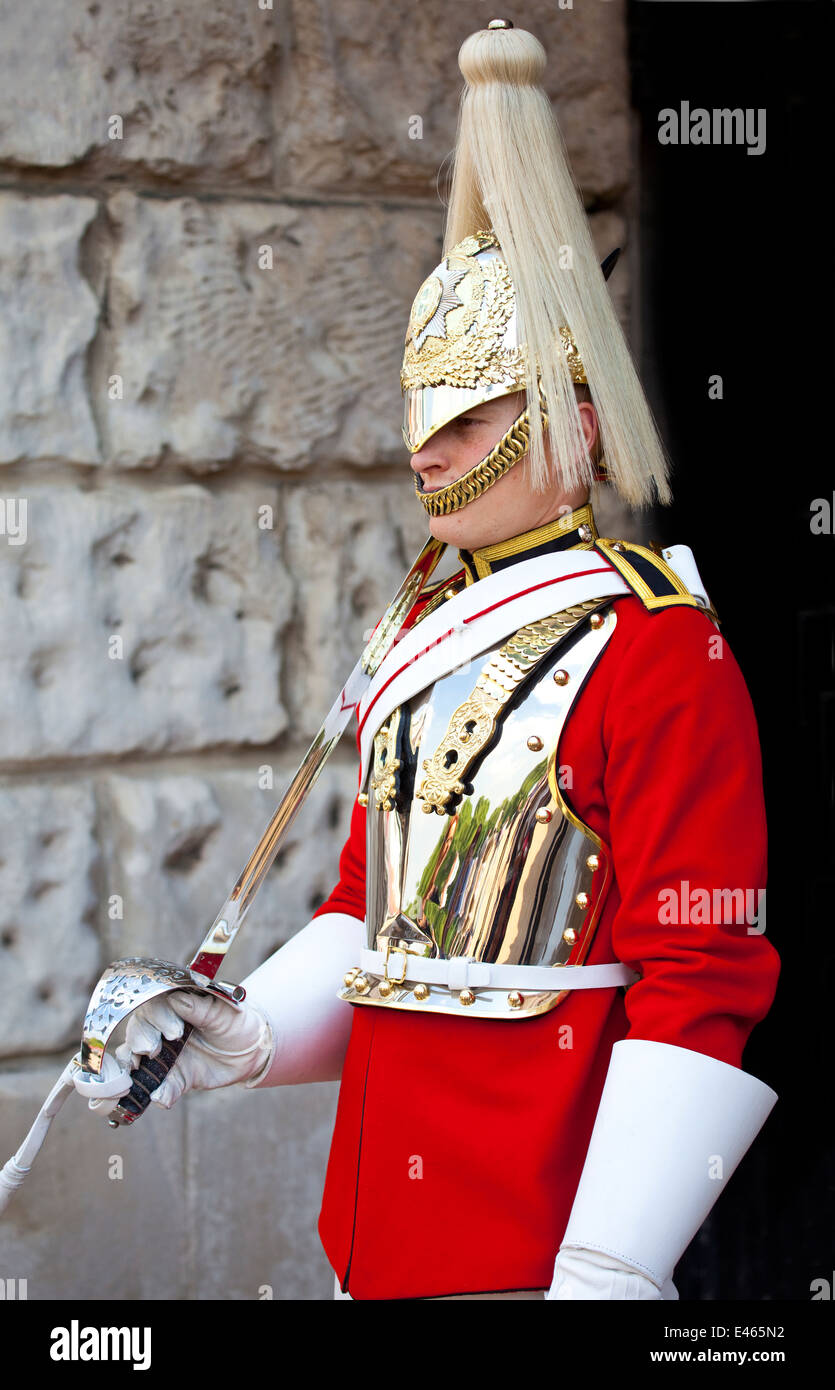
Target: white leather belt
{"type": "Point", "coordinates": [462, 972]}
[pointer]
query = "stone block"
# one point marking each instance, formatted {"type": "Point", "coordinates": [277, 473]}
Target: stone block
{"type": "Point", "coordinates": [173, 848]}
{"type": "Point", "coordinates": [257, 332]}
{"type": "Point", "coordinates": [256, 1172]}
{"type": "Point", "coordinates": [50, 955]}
{"type": "Point", "coordinates": [103, 1214]}
{"type": "Point", "coordinates": [370, 105]}
{"type": "Point", "coordinates": [50, 318]}
{"type": "Point", "coordinates": [142, 620]}
{"type": "Point", "coordinates": [191, 88]}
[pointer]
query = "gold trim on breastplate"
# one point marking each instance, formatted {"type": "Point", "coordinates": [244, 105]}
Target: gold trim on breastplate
{"type": "Point", "coordinates": [510, 875]}
{"type": "Point", "coordinates": [473, 725]}
{"type": "Point", "coordinates": [384, 780]}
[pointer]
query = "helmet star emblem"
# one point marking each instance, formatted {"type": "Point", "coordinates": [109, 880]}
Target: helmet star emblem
{"type": "Point", "coordinates": [435, 300]}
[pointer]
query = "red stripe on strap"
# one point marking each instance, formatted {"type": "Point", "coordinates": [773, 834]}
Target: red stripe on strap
{"type": "Point", "coordinates": [546, 583]}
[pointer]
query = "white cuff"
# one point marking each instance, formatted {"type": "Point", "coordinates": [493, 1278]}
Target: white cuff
{"type": "Point", "coordinates": [295, 988]}
{"type": "Point", "coordinates": [671, 1128]}
{"type": "Point", "coordinates": [588, 1274]}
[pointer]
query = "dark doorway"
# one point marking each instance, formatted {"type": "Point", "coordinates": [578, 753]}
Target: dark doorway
{"type": "Point", "coordinates": [736, 282]}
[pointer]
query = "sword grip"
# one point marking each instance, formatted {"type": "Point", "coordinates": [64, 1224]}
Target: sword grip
{"type": "Point", "coordinates": [148, 1074]}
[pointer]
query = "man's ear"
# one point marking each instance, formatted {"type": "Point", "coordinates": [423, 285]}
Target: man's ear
{"type": "Point", "coordinates": [588, 418]}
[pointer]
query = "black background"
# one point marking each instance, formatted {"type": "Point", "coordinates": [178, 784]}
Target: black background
{"type": "Point", "coordinates": [736, 280]}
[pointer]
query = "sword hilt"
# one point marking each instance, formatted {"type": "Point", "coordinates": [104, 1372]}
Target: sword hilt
{"type": "Point", "coordinates": [149, 1073]}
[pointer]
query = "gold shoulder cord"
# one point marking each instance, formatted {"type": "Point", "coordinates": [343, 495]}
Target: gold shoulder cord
{"type": "Point", "coordinates": [474, 722]}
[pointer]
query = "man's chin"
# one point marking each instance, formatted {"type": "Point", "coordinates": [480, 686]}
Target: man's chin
{"type": "Point", "coordinates": [456, 529]}
{"type": "Point", "coordinates": [462, 528]}
{"type": "Point", "coordinates": [444, 528]}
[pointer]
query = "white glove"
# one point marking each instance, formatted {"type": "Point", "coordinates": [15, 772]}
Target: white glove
{"type": "Point", "coordinates": [292, 1027]}
{"type": "Point", "coordinates": [671, 1127]}
{"type": "Point", "coordinates": [586, 1274]}
{"type": "Point", "coordinates": [230, 1042]}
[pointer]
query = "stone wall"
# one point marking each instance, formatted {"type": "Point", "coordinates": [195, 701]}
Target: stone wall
{"type": "Point", "coordinates": [212, 223]}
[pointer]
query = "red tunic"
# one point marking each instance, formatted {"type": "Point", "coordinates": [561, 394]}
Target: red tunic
{"type": "Point", "coordinates": [459, 1142]}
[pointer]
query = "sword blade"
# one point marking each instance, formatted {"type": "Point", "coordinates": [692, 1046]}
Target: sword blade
{"type": "Point", "coordinates": [209, 955]}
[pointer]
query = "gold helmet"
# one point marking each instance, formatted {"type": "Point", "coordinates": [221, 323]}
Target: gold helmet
{"type": "Point", "coordinates": [462, 342]}
{"type": "Point", "coordinates": [519, 300]}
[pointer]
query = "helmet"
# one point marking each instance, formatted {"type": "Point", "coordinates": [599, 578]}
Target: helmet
{"type": "Point", "coordinates": [519, 300]}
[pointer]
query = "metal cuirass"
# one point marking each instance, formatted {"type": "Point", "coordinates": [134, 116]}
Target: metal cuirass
{"type": "Point", "coordinates": [473, 850]}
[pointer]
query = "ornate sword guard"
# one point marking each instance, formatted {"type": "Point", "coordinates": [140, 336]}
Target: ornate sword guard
{"type": "Point", "coordinates": [124, 986]}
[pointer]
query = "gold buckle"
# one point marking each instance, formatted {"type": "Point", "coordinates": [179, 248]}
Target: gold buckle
{"type": "Point", "coordinates": [390, 946]}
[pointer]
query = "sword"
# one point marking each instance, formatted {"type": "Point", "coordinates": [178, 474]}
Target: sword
{"type": "Point", "coordinates": [128, 983]}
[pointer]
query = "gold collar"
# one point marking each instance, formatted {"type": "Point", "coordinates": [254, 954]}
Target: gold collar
{"type": "Point", "coordinates": [576, 531]}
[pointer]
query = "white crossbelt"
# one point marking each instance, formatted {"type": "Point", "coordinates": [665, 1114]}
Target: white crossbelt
{"type": "Point", "coordinates": [486, 613]}
{"type": "Point", "coordinates": [462, 972]}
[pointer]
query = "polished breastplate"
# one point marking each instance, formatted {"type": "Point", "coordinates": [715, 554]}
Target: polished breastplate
{"type": "Point", "coordinates": [475, 859]}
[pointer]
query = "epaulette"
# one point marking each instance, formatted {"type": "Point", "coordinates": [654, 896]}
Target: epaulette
{"type": "Point", "coordinates": [649, 576]}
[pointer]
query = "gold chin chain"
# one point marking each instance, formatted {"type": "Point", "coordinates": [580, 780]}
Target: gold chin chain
{"type": "Point", "coordinates": [511, 447]}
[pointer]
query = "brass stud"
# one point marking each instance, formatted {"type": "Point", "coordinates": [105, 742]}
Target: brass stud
{"type": "Point", "coordinates": [543, 815]}
{"type": "Point", "coordinates": [466, 996]}
{"type": "Point", "coordinates": [534, 743]}
{"type": "Point", "coordinates": [515, 999]}
{"type": "Point", "coordinates": [385, 989]}
{"type": "Point", "coordinates": [363, 798]}
{"type": "Point", "coordinates": [597, 620]}
{"type": "Point", "coordinates": [500, 24]}
{"type": "Point", "coordinates": [582, 900]}
{"type": "Point", "coordinates": [584, 532]}
{"type": "Point", "coordinates": [561, 677]}
{"type": "Point", "coordinates": [421, 991]}
{"type": "Point", "coordinates": [592, 862]}
{"type": "Point", "coordinates": [569, 935]}
{"type": "Point", "coordinates": [619, 548]}
{"type": "Point", "coordinates": [450, 593]}
{"type": "Point", "coordinates": [350, 976]}
{"type": "Point", "coordinates": [361, 983]}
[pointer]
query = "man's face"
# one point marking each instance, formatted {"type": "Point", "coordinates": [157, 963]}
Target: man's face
{"type": "Point", "coordinates": [510, 507]}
